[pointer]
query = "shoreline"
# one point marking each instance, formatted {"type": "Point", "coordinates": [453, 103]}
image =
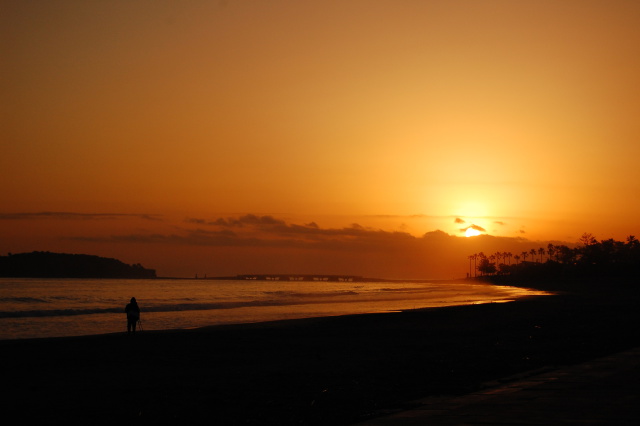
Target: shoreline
{"type": "Point", "coordinates": [298, 301]}
{"type": "Point", "coordinates": [204, 327]}
{"type": "Point", "coordinates": [324, 370]}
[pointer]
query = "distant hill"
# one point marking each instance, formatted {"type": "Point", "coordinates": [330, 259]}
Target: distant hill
{"type": "Point", "coordinates": [40, 264]}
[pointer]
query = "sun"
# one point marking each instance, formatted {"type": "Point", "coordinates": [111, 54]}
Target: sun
{"type": "Point", "coordinates": [471, 232]}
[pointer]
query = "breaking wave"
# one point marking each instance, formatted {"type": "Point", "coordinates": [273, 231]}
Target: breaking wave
{"type": "Point", "coordinates": [180, 307]}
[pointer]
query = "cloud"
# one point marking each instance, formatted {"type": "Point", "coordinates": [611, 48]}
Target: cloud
{"type": "Point", "coordinates": [196, 237]}
{"type": "Point", "coordinates": [266, 231]}
{"type": "Point", "coordinates": [472, 226]}
{"type": "Point", "coordinates": [266, 243]}
{"type": "Point", "coordinates": [196, 221]}
{"type": "Point", "coordinates": [270, 226]}
{"type": "Point", "coordinates": [246, 220]}
{"type": "Point", "coordinates": [403, 216]}
{"type": "Point", "coordinates": [498, 222]}
{"type": "Point", "coordinates": [76, 216]}
{"type": "Point", "coordinates": [459, 221]}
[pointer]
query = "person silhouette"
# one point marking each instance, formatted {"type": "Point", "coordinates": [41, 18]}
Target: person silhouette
{"type": "Point", "coordinates": [133, 315]}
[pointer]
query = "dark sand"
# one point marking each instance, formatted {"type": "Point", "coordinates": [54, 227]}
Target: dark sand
{"type": "Point", "coordinates": [329, 371]}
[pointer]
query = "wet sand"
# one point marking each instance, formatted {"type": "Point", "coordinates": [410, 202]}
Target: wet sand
{"type": "Point", "coordinates": [337, 370]}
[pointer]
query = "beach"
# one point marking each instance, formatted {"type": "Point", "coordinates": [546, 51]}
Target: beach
{"type": "Point", "coordinates": [42, 308]}
{"type": "Point", "coordinates": [316, 371]}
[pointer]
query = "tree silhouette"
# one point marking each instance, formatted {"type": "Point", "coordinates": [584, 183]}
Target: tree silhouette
{"type": "Point", "coordinates": [587, 240]}
{"type": "Point", "coordinates": [487, 267]}
{"type": "Point", "coordinates": [551, 251]}
{"type": "Point", "coordinates": [589, 261]}
{"type": "Point", "coordinates": [475, 265]}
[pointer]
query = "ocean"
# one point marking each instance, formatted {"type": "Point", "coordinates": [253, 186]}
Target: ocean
{"type": "Point", "coordinates": [37, 308]}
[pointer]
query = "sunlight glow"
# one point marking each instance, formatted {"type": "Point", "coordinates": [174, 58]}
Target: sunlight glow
{"type": "Point", "coordinates": [471, 232]}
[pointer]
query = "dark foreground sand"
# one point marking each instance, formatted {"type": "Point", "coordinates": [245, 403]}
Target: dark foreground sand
{"type": "Point", "coordinates": [318, 371]}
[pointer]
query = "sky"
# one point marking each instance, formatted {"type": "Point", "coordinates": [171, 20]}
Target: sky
{"type": "Point", "coordinates": [355, 137]}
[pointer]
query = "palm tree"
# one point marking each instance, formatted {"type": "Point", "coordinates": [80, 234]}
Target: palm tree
{"type": "Point", "coordinates": [475, 264]}
{"type": "Point", "coordinates": [481, 258]}
{"type": "Point", "coordinates": [533, 254]}
{"type": "Point", "coordinates": [524, 256]}
{"type": "Point", "coordinates": [472, 257]}
{"type": "Point", "coordinates": [565, 254]}
{"type": "Point", "coordinates": [517, 258]}
{"type": "Point", "coordinates": [541, 252]}
{"type": "Point", "coordinates": [551, 250]}
{"type": "Point", "coordinates": [486, 266]}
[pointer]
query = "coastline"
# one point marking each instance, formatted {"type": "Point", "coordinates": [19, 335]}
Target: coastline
{"type": "Point", "coordinates": [39, 308]}
{"type": "Point", "coordinates": [329, 370]}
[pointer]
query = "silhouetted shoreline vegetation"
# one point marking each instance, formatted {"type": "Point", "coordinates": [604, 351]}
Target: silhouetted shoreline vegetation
{"type": "Point", "coordinates": [41, 264]}
{"type": "Point", "coordinates": [591, 263]}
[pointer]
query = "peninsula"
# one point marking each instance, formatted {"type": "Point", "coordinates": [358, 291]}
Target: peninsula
{"type": "Point", "coordinates": [44, 264]}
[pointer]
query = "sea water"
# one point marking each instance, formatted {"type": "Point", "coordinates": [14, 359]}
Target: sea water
{"type": "Point", "coordinates": [34, 308]}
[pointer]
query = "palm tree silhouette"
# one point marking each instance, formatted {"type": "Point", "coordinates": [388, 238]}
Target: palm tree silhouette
{"type": "Point", "coordinates": [475, 264]}
{"type": "Point", "coordinates": [551, 250]}
{"type": "Point", "coordinates": [471, 257]}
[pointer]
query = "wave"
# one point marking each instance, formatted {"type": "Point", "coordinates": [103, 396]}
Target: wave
{"type": "Point", "coordinates": [23, 300]}
{"type": "Point", "coordinates": [409, 290]}
{"type": "Point", "coordinates": [180, 307]}
{"type": "Point", "coordinates": [274, 298]}
{"type": "Point", "coordinates": [312, 294]}
{"type": "Point", "coordinates": [48, 299]}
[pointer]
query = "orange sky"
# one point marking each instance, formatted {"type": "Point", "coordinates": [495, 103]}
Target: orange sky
{"type": "Point", "coordinates": [145, 122]}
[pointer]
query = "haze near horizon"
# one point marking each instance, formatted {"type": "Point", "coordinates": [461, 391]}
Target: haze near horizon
{"type": "Point", "coordinates": [316, 137]}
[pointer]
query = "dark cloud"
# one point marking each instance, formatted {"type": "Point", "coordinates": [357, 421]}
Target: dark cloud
{"type": "Point", "coordinates": [498, 222]}
{"type": "Point", "coordinates": [402, 216]}
{"type": "Point", "coordinates": [267, 231]}
{"type": "Point", "coordinates": [472, 226]}
{"type": "Point", "coordinates": [76, 216]}
{"type": "Point", "coordinates": [272, 227]}
{"type": "Point", "coordinates": [458, 220]}
{"type": "Point", "coordinates": [255, 242]}
{"type": "Point", "coordinates": [194, 237]}
{"type": "Point", "coordinates": [434, 235]}
{"type": "Point", "coordinates": [246, 220]}
{"type": "Point", "coordinates": [196, 221]}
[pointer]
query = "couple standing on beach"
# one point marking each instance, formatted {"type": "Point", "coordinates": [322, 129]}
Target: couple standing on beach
{"type": "Point", "coordinates": [133, 315]}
